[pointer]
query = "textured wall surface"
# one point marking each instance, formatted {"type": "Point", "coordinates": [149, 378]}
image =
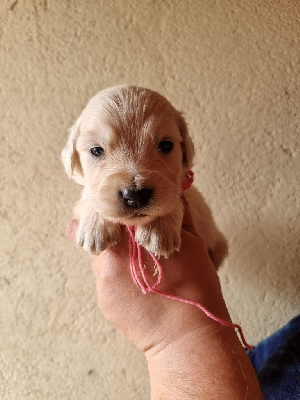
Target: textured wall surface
{"type": "Point", "coordinates": [233, 67]}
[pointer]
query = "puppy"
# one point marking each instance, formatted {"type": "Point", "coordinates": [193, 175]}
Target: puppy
{"type": "Point", "coordinates": [131, 150]}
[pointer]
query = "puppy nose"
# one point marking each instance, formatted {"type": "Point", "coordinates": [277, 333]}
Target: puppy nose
{"type": "Point", "coordinates": [136, 198]}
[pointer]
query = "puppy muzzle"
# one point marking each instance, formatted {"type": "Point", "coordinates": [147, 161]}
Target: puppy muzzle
{"type": "Point", "coordinates": [133, 199]}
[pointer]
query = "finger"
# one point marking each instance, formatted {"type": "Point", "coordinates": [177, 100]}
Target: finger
{"type": "Point", "coordinates": [71, 231]}
{"type": "Point", "coordinates": [113, 255]}
{"type": "Point", "coordinates": [111, 266]}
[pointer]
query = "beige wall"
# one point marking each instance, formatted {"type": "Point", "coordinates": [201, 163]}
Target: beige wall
{"type": "Point", "coordinates": [233, 67]}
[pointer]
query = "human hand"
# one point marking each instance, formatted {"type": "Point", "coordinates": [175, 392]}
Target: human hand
{"type": "Point", "coordinates": [152, 321]}
{"type": "Point", "coordinates": [180, 342]}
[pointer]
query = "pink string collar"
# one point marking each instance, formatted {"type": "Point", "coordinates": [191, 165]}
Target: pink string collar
{"type": "Point", "coordinates": [140, 278]}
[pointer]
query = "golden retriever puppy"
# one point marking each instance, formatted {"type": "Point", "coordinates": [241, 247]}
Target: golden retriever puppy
{"type": "Point", "coordinates": [131, 150]}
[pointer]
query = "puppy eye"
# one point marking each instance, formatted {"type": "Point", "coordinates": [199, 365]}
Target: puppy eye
{"type": "Point", "coordinates": [97, 151]}
{"type": "Point", "coordinates": [165, 146]}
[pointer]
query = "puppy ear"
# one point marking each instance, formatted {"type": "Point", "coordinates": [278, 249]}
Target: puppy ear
{"type": "Point", "coordinates": [70, 156]}
{"type": "Point", "coordinates": [186, 144]}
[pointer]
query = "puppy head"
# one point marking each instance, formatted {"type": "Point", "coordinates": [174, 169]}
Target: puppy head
{"type": "Point", "coordinates": [130, 148]}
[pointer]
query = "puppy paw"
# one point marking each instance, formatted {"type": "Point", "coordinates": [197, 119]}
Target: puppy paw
{"type": "Point", "coordinates": [158, 241]}
{"type": "Point", "coordinates": [95, 234]}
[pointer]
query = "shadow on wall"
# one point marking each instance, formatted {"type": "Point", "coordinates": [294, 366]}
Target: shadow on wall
{"type": "Point", "coordinates": [268, 254]}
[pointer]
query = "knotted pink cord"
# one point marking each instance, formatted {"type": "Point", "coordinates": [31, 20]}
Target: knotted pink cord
{"type": "Point", "coordinates": [140, 279]}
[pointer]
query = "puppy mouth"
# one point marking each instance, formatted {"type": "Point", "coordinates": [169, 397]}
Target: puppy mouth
{"type": "Point", "coordinates": [139, 215]}
{"type": "Point", "coordinates": [135, 218]}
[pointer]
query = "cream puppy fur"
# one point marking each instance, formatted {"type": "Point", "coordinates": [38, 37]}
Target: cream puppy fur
{"type": "Point", "coordinates": [130, 149]}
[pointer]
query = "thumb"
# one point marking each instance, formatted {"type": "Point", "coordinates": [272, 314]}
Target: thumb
{"type": "Point", "coordinates": [71, 230]}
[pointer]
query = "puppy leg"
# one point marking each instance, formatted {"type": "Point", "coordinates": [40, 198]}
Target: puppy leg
{"type": "Point", "coordinates": [205, 226]}
{"type": "Point", "coordinates": [161, 237]}
{"type": "Point", "coordinates": [94, 233]}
